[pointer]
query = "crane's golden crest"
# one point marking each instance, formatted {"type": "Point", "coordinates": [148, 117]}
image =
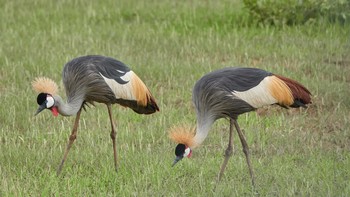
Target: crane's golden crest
{"type": "Point", "coordinates": [182, 135]}
{"type": "Point", "coordinates": [45, 85]}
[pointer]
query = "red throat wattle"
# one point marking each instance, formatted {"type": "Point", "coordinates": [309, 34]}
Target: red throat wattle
{"type": "Point", "coordinates": [189, 154]}
{"type": "Point", "coordinates": [54, 111]}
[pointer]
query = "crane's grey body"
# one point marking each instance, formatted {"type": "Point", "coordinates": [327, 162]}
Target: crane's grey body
{"type": "Point", "coordinates": [88, 82]}
{"type": "Point", "coordinates": [212, 94]}
{"type": "Point", "coordinates": [83, 81]}
{"type": "Point", "coordinates": [213, 99]}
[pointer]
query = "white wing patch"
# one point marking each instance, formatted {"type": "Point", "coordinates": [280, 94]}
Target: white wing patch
{"type": "Point", "coordinates": [121, 91]}
{"type": "Point", "coordinates": [257, 96]}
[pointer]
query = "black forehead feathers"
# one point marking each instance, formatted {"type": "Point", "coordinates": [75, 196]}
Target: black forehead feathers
{"type": "Point", "coordinates": [180, 149]}
{"type": "Point", "coordinates": [41, 98]}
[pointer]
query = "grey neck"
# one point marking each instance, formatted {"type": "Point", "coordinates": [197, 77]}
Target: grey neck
{"type": "Point", "coordinates": [68, 109]}
{"type": "Point", "coordinates": [203, 127]}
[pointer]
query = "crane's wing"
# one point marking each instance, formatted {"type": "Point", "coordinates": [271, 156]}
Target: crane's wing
{"type": "Point", "coordinates": [255, 86]}
{"type": "Point", "coordinates": [127, 87]}
{"type": "Point", "coordinates": [112, 69]}
{"type": "Point", "coordinates": [107, 80]}
{"type": "Point", "coordinates": [259, 88]}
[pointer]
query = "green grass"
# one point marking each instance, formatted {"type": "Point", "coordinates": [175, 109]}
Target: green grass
{"type": "Point", "coordinates": [170, 44]}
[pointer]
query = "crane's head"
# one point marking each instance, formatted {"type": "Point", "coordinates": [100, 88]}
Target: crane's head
{"type": "Point", "coordinates": [184, 137]}
{"type": "Point", "coordinates": [46, 88]}
{"type": "Point", "coordinates": [46, 101]}
{"type": "Point", "coordinates": [182, 151]}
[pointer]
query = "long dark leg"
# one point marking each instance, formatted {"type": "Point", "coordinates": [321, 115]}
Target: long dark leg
{"type": "Point", "coordinates": [245, 150]}
{"type": "Point", "coordinates": [228, 152]}
{"type": "Point", "coordinates": [72, 137]}
{"type": "Point", "coordinates": [113, 136]}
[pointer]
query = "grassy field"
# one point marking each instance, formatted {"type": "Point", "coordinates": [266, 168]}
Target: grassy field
{"type": "Point", "coordinates": [170, 45]}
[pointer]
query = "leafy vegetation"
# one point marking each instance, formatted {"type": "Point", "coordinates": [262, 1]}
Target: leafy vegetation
{"type": "Point", "coordinates": [291, 12]}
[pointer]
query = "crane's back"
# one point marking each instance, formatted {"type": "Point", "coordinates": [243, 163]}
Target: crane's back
{"type": "Point", "coordinates": [233, 91]}
{"type": "Point", "coordinates": [106, 80]}
{"type": "Point", "coordinates": [81, 78]}
{"type": "Point", "coordinates": [212, 94]}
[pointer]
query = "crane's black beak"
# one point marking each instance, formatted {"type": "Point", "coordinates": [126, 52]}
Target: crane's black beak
{"type": "Point", "coordinates": [41, 108]}
{"type": "Point", "coordinates": [177, 159]}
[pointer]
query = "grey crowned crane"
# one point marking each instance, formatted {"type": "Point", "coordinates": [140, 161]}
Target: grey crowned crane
{"type": "Point", "coordinates": [228, 93]}
{"type": "Point", "coordinates": [90, 79]}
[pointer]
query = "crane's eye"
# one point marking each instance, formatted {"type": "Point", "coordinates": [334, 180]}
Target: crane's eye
{"type": "Point", "coordinates": [49, 102]}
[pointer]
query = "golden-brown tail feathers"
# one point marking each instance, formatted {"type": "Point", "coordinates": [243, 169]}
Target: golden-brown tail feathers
{"type": "Point", "coordinates": [301, 95]}
{"type": "Point", "coordinates": [143, 96]}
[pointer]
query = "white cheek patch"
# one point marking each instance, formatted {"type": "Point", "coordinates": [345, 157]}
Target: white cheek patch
{"type": "Point", "coordinates": [187, 152]}
{"type": "Point", "coordinates": [50, 102]}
